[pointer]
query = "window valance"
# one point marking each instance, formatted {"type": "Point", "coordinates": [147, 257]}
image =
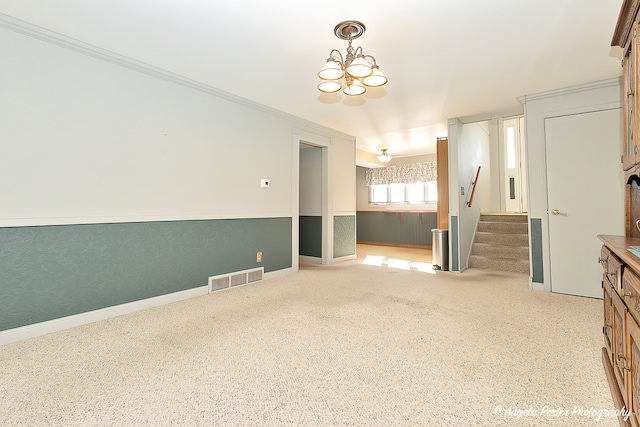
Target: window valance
{"type": "Point", "coordinates": [402, 174]}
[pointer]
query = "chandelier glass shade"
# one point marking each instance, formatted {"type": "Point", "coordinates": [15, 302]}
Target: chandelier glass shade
{"type": "Point", "coordinates": [384, 157]}
{"type": "Point", "coordinates": [354, 72]}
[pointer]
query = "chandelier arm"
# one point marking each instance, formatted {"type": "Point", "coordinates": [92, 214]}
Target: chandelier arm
{"type": "Point", "coordinates": [339, 55]}
{"type": "Point", "coordinates": [372, 58]}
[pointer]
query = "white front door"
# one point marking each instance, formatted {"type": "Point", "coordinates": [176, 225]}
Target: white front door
{"type": "Point", "coordinates": [513, 148]}
{"type": "Point", "coordinates": [585, 196]}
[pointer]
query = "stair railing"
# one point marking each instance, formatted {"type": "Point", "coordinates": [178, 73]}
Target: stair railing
{"type": "Point", "coordinates": [474, 184]}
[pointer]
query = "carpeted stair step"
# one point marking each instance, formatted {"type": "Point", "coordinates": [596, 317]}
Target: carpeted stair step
{"type": "Point", "coordinates": [503, 218]}
{"type": "Point", "coordinates": [502, 251]}
{"type": "Point", "coordinates": [514, 265]}
{"type": "Point", "coordinates": [503, 227]}
{"type": "Point", "coordinates": [501, 243]}
{"type": "Point", "coordinates": [513, 239]}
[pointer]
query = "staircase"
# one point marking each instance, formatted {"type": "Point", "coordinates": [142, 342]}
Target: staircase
{"type": "Point", "coordinates": [501, 243]}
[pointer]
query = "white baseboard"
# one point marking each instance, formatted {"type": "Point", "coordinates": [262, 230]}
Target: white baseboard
{"type": "Point", "coordinates": [535, 286]}
{"type": "Point", "coordinates": [344, 258]}
{"type": "Point", "coordinates": [310, 259]}
{"type": "Point", "coordinates": [55, 325]}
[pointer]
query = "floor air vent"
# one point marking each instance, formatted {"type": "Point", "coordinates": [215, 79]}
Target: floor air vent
{"type": "Point", "coordinates": [225, 281]}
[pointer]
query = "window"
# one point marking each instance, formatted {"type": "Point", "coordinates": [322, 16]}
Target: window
{"type": "Point", "coordinates": [415, 192]}
{"type": "Point", "coordinates": [378, 194]}
{"type": "Point", "coordinates": [411, 193]}
{"type": "Point", "coordinates": [511, 147]}
{"type": "Point", "coordinates": [396, 193]}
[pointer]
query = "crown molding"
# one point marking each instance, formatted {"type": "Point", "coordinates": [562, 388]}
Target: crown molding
{"type": "Point", "coordinates": [600, 84]}
{"type": "Point", "coordinates": [22, 27]}
{"type": "Point", "coordinates": [627, 15]}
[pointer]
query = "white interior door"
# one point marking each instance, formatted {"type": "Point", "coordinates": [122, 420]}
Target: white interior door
{"type": "Point", "coordinates": [585, 196]}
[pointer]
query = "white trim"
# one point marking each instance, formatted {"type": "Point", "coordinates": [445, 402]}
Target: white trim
{"type": "Point", "coordinates": [571, 89]}
{"type": "Point", "coordinates": [310, 259]}
{"type": "Point", "coordinates": [56, 325]}
{"type": "Point", "coordinates": [326, 144]}
{"type": "Point", "coordinates": [37, 329]}
{"type": "Point", "coordinates": [32, 222]}
{"type": "Point", "coordinates": [345, 258]}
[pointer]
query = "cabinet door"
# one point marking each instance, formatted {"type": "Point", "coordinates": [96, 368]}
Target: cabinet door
{"type": "Point", "coordinates": [608, 323]}
{"type": "Point", "coordinates": [633, 368]}
{"type": "Point", "coordinates": [620, 364]}
{"type": "Point", "coordinates": [629, 71]}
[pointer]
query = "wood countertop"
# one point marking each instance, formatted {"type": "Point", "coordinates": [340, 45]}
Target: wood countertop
{"type": "Point", "coordinates": [397, 211]}
{"type": "Point", "coordinates": [619, 245]}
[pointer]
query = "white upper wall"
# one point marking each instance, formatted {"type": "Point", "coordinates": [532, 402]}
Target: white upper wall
{"type": "Point", "coordinates": [87, 140]}
{"type": "Point", "coordinates": [469, 147]}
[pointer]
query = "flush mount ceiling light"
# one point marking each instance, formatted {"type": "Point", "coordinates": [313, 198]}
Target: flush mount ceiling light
{"type": "Point", "coordinates": [384, 157]}
{"type": "Point", "coordinates": [355, 71]}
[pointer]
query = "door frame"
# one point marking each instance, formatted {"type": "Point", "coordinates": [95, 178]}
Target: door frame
{"type": "Point", "coordinates": [589, 97]}
{"type": "Point", "coordinates": [301, 137]}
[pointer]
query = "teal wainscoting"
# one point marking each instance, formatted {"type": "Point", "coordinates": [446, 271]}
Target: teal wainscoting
{"type": "Point", "coordinates": [49, 272]}
{"type": "Point", "coordinates": [536, 251]}
{"type": "Point", "coordinates": [344, 235]}
{"type": "Point", "coordinates": [310, 237]}
{"type": "Point", "coordinates": [406, 228]}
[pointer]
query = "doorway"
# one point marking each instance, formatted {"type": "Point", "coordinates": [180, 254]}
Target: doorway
{"type": "Point", "coordinates": [310, 203]}
{"type": "Point", "coordinates": [312, 225]}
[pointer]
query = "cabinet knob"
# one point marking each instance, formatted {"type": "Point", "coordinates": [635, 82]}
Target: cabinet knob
{"type": "Point", "coordinates": [626, 294]}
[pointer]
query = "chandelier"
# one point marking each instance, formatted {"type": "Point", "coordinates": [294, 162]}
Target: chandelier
{"type": "Point", "coordinates": [355, 71]}
{"type": "Point", "coordinates": [384, 157]}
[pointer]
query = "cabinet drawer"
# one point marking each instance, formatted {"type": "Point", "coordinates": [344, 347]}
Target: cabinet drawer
{"type": "Point", "coordinates": [631, 292]}
{"type": "Point", "coordinates": [613, 272]}
{"type": "Point", "coordinates": [604, 254]}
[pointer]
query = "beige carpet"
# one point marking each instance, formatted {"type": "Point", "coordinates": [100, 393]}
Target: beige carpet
{"type": "Point", "coordinates": [345, 345]}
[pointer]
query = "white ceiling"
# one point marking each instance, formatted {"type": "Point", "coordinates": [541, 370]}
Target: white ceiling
{"type": "Point", "coordinates": [443, 58]}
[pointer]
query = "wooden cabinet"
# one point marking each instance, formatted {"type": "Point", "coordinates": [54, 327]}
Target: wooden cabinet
{"type": "Point", "coordinates": [621, 267]}
{"type": "Point", "coordinates": [627, 37]}
{"type": "Point", "coordinates": [621, 322]}
{"type": "Point", "coordinates": [632, 359]}
{"type": "Point", "coordinates": [629, 73]}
